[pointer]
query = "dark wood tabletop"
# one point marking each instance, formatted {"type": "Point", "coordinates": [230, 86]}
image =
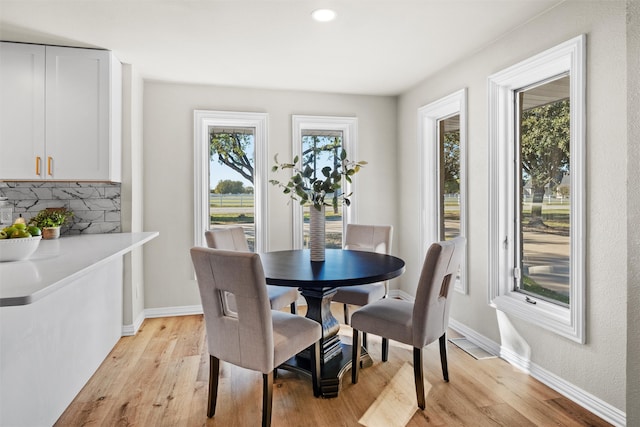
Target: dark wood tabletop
{"type": "Point", "coordinates": [340, 268]}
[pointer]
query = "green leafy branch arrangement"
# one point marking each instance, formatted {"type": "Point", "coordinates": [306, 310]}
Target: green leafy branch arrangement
{"type": "Point", "coordinates": [305, 186]}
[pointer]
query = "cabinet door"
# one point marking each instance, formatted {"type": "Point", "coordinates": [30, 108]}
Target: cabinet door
{"type": "Point", "coordinates": [22, 90]}
{"type": "Point", "coordinates": [77, 114]}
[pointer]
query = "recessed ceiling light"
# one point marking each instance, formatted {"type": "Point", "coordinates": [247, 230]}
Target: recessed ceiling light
{"type": "Point", "coordinates": [323, 15]}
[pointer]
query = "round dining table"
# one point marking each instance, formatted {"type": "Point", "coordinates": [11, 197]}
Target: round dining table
{"type": "Point", "coordinates": [318, 282]}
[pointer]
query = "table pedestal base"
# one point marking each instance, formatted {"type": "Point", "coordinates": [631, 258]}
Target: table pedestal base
{"type": "Point", "coordinates": [332, 371]}
{"type": "Point", "coordinates": [335, 356]}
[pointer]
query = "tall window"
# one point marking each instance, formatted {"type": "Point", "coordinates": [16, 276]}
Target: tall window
{"type": "Point", "coordinates": [450, 173]}
{"type": "Point", "coordinates": [442, 136]}
{"type": "Point", "coordinates": [537, 190]}
{"type": "Point", "coordinates": [230, 173]}
{"type": "Point", "coordinates": [231, 170]}
{"type": "Point", "coordinates": [543, 191]}
{"type": "Point", "coordinates": [322, 148]}
{"type": "Point", "coordinates": [317, 139]}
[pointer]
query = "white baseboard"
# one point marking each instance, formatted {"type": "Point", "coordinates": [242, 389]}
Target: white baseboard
{"type": "Point", "coordinates": [602, 409]}
{"type": "Point", "coordinates": [475, 338]}
{"type": "Point", "coordinates": [185, 310]}
{"type": "Point", "coordinates": [397, 293]}
{"type": "Point", "coordinates": [583, 398]}
{"type": "Point", "coordinates": [516, 359]}
{"type": "Point", "coordinates": [131, 330]}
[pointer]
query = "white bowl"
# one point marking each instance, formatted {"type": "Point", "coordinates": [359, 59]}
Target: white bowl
{"type": "Point", "coordinates": [18, 249]}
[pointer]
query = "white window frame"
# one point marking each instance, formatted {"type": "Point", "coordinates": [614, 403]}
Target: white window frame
{"type": "Point", "coordinates": [567, 322]}
{"type": "Point", "coordinates": [428, 118]}
{"type": "Point", "coordinates": [349, 128]}
{"type": "Point", "coordinates": [203, 121]}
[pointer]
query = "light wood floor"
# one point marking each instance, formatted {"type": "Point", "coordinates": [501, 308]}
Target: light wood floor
{"type": "Point", "coordinates": [159, 378]}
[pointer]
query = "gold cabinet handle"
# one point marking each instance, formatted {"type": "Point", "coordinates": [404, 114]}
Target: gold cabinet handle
{"type": "Point", "coordinates": [38, 165]}
{"type": "Point", "coordinates": [49, 160]}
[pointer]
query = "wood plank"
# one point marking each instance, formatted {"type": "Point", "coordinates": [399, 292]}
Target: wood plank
{"type": "Point", "coordinates": [505, 415]}
{"type": "Point", "coordinates": [159, 378]}
{"type": "Point", "coordinates": [575, 412]}
{"type": "Point", "coordinates": [397, 403]}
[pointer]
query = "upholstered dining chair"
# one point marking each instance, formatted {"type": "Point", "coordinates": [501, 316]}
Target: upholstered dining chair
{"type": "Point", "coordinates": [234, 239]}
{"type": "Point", "coordinates": [370, 238]}
{"type": "Point", "coordinates": [250, 334]}
{"type": "Point", "coordinates": [419, 323]}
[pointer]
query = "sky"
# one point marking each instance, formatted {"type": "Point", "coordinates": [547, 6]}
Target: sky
{"type": "Point", "coordinates": [218, 172]}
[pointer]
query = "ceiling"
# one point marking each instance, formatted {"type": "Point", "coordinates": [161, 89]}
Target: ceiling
{"type": "Point", "coordinates": [376, 47]}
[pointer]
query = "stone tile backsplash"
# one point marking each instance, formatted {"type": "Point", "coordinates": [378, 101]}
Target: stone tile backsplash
{"type": "Point", "coordinates": [96, 205]}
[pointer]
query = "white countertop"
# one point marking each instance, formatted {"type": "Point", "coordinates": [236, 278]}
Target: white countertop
{"type": "Point", "coordinates": [59, 261]}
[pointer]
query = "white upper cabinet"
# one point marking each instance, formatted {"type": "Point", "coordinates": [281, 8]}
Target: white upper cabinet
{"type": "Point", "coordinates": [79, 126]}
{"type": "Point", "coordinates": [61, 111]}
{"type": "Point", "coordinates": [21, 110]}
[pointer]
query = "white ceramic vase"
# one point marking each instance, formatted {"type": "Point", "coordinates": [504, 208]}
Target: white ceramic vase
{"type": "Point", "coordinates": [317, 240]}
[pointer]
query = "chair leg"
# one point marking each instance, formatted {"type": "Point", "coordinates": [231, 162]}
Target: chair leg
{"type": "Point", "coordinates": [294, 308]}
{"type": "Point", "coordinates": [267, 398]}
{"type": "Point", "coordinates": [355, 356]}
{"type": "Point", "coordinates": [364, 339]}
{"type": "Point", "coordinates": [443, 356]}
{"type": "Point", "coordinates": [346, 314]}
{"type": "Point", "coordinates": [385, 349]}
{"type": "Point", "coordinates": [214, 373]}
{"type": "Point", "coordinates": [314, 351]}
{"type": "Point", "coordinates": [418, 376]}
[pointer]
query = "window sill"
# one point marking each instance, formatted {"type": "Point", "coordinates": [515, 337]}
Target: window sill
{"type": "Point", "coordinates": [560, 320]}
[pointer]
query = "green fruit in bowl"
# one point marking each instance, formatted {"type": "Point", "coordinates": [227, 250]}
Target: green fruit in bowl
{"type": "Point", "coordinates": [20, 234]}
{"type": "Point", "coordinates": [34, 231]}
{"type": "Point", "coordinates": [3, 235]}
{"type": "Point", "coordinates": [9, 230]}
{"type": "Point", "coordinates": [20, 226]}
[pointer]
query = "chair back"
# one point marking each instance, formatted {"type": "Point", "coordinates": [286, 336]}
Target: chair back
{"type": "Point", "coordinates": [243, 336]}
{"type": "Point", "coordinates": [435, 290]}
{"type": "Point", "coordinates": [370, 238]}
{"type": "Point", "coordinates": [229, 238]}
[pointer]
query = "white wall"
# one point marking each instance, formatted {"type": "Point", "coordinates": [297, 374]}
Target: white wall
{"type": "Point", "coordinates": [633, 212]}
{"type": "Point", "coordinates": [168, 170]}
{"type": "Point", "coordinates": [599, 366]}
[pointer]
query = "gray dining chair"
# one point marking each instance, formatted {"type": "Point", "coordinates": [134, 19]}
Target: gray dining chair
{"type": "Point", "coordinates": [234, 239]}
{"type": "Point", "coordinates": [370, 238]}
{"type": "Point", "coordinates": [249, 334]}
{"type": "Point", "coordinates": [419, 323]}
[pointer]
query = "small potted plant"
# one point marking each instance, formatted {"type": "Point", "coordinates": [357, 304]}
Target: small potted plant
{"type": "Point", "coordinates": [49, 221]}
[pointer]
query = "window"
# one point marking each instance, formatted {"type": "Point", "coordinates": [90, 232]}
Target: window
{"type": "Point", "coordinates": [543, 191]}
{"type": "Point", "coordinates": [537, 205]}
{"type": "Point", "coordinates": [442, 136]}
{"type": "Point", "coordinates": [322, 148]}
{"type": "Point", "coordinates": [449, 179]}
{"type": "Point", "coordinates": [230, 167]}
{"type": "Point", "coordinates": [322, 136]}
